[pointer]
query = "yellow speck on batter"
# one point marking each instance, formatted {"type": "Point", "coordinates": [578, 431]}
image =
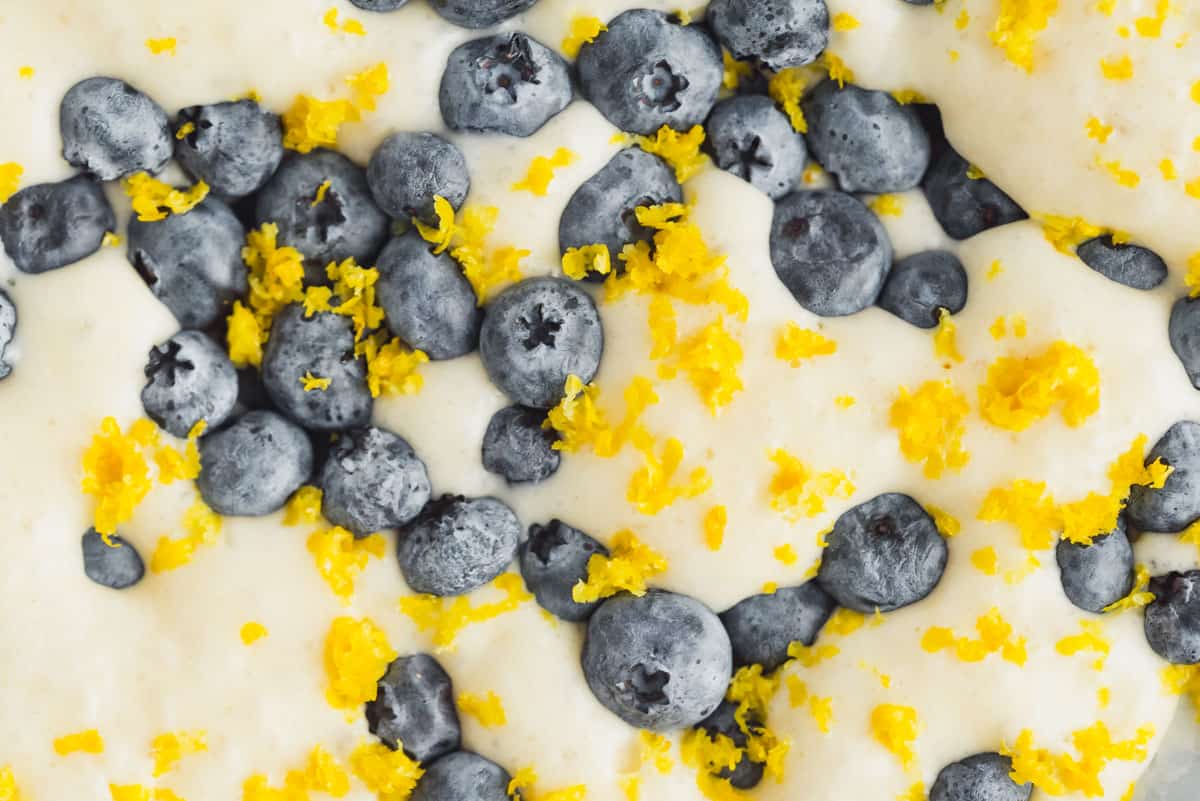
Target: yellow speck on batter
{"type": "Point", "coordinates": [357, 654]}
{"type": "Point", "coordinates": [627, 568]}
{"type": "Point", "coordinates": [168, 748]}
{"type": "Point", "coordinates": [488, 709]}
{"type": "Point", "coordinates": [153, 200]}
{"type": "Point", "coordinates": [930, 426]}
{"type": "Point", "coordinates": [252, 632]}
{"type": "Point", "coordinates": [715, 520]}
{"type": "Point", "coordinates": [166, 44]}
{"type": "Point", "coordinates": [541, 172]}
{"type": "Point", "coordinates": [1117, 68]}
{"type": "Point", "coordinates": [584, 30]}
{"type": "Point", "coordinates": [845, 21]}
{"type": "Point", "coordinates": [794, 344]}
{"type": "Point", "coordinates": [896, 728]}
{"type": "Point", "coordinates": [88, 741]}
{"type": "Point", "coordinates": [797, 491]}
{"type": "Point", "coordinates": [340, 557]}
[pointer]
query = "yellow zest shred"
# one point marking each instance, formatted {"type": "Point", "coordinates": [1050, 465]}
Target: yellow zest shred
{"type": "Point", "coordinates": [1103, 697]}
{"type": "Point", "coordinates": [1018, 25]}
{"type": "Point", "coordinates": [1059, 774]}
{"type": "Point", "coordinates": [986, 560]}
{"type": "Point", "coordinates": [391, 775]}
{"type": "Point", "coordinates": [1191, 279]}
{"type": "Point", "coordinates": [1151, 27]}
{"type": "Point", "coordinates": [1167, 168]}
{"type": "Point", "coordinates": [251, 632]}
{"type": "Point", "coordinates": [819, 708]}
{"type": "Point", "coordinates": [184, 130]}
{"type": "Point", "coordinates": [785, 554]}
{"type": "Point", "coordinates": [887, 205]}
{"type": "Point", "coordinates": [836, 68]}
{"type": "Point", "coordinates": [466, 238]}
{"type": "Point", "coordinates": [1138, 597]}
{"type": "Point", "coordinates": [110, 239]}
{"type": "Point", "coordinates": [811, 656]}
{"type": "Point", "coordinates": [1020, 391]}
{"type": "Point", "coordinates": [962, 20]}
{"type": "Point", "coordinates": [166, 44]}
{"type": "Point", "coordinates": [1027, 506]}
{"type": "Point", "coordinates": [844, 21]}
{"type": "Point", "coordinates": [845, 622]}
{"type": "Point", "coordinates": [627, 568]}
{"type": "Point", "coordinates": [844, 401]}
{"type": "Point", "coordinates": [797, 491]}
{"type": "Point", "coordinates": [735, 71]}
{"type": "Point", "coordinates": [25, 72]}
{"type": "Point", "coordinates": [1090, 638]}
{"type": "Point", "coordinates": [245, 336]}
{"type": "Point", "coordinates": [1124, 177]}
{"type": "Point", "coordinates": [786, 88]}
{"type": "Point", "coordinates": [584, 30]}
{"type": "Point", "coordinates": [392, 368]}
{"type": "Point", "coordinates": [357, 654]}
{"type": "Point", "coordinates": [153, 200]}
{"type": "Point", "coordinates": [116, 473]}
{"type": "Point", "coordinates": [995, 636]}
{"type": "Point", "coordinates": [1098, 130]}
{"type": "Point", "coordinates": [1117, 68]}
{"type": "Point", "coordinates": [1065, 233]}
{"type": "Point", "coordinates": [954, 56]}
{"type": "Point", "coordinates": [930, 426]}
{"type": "Point", "coordinates": [947, 524]}
{"type": "Point", "coordinates": [715, 520]}
{"type": "Point", "coordinates": [88, 741]}
{"type": "Point", "coordinates": [541, 172]}
{"type": "Point", "coordinates": [994, 270]}
{"type": "Point", "coordinates": [304, 506]}
{"type": "Point", "coordinates": [350, 26]}
{"type": "Point", "coordinates": [313, 383]}
{"type": "Point", "coordinates": [321, 193]}
{"type": "Point", "coordinates": [311, 123]}
{"type": "Point", "coordinates": [680, 150]}
{"type": "Point", "coordinates": [578, 263]}
{"type": "Point", "coordinates": [9, 791]}
{"type": "Point", "coordinates": [794, 344]}
{"type": "Point", "coordinates": [1176, 680]}
{"type": "Point", "coordinates": [128, 792]}
{"type": "Point", "coordinates": [340, 557]}
{"type": "Point", "coordinates": [656, 749]}
{"type": "Point", "coordinates": [487, 709]}
{"type": "Point", "coordinates": [201, 525]}
{"type": "Point", "coordinates": [710, 358]}
{"type": "Point", "coordinates": [945, 338]}
{"type": "Point", "coordinates": [896, 728]}
{"type": "Point", "coordinates": [580, 422]}
{"type": "Point", "coordinates": [908, 96]}
{"type": "Point", "coordinates": [446, 617]}
{"type": "Point", "coordinates": [168, 748]}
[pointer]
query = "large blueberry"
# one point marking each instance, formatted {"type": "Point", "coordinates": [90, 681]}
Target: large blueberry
{"type": "Point", "coordinates": [1173, 618]}
{"type": "Point", "coordinates": [463, 776]}
{"type": "Point", "coordinates": [1097, 575]}
{"type": "Point", "coordinates": [47, 226]}
{"type": "Point", "coordinates": [830, 251]}
{"type": "Point", "coordinates": [479, 13]}
{"type": "Point", "coordinates": [414, 709]}
{"type": "Point", "coordinates": [965, 206]}
{"type": "Point", "coordinates": [457, 544]}
{"type": "Point", "coordinates": [535, 335]}
{"type": "Point", "coordinates": [1177, 504]}
{"type": "Point", "coordinates": [774, 33]}
{"type": "Point", "coordinates": [372, 480]}
{"type": "Point", "coordinates": [747, 773]}
{"type": "Point", "coordinates": [553, 560]}
{"type": "Point", "coordinates": [1184, 333]}
{"type": "Point", "coordinates": [1132, 265]}
{"type": "Point", "coordinates": [8, 332]}
{"type": "Point", "coordinates": [762, 627]}
{"type": "Point", "coordinates": [920, 286]}
{"type": "Point", "coordinates": [189, 378]}
{"type": "Point", "coordinates": [408, 170]}
{"type": "Point", "coordinates": [517, 446]}
{"type": "Point", "coordinates": [649, 70]}
{"type": "Point", "coordinates": [111, 130]}
{"type": "Point", "coordinates": [378, 5]}
{"type": "Point", "coordinates": [752, 139]}
{"type": "Point", "coordinates": [234, 146]}
{"type": "Point", "coordinates": [982, 777]}
{"type": "Point", "coordinates": [253, 466]}
{"type": "Point", "coordinates": [116, 567]}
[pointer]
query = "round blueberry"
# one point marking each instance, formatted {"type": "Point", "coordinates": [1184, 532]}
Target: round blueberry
{"type": "Point", "coordinates": [414, 709]}
{"type": "Point", "coordinates": [1173, 618]}
{"type": "Point", "coordinates": [517, 447]}
{"type": "Point", "coordinates": [648, 70]}
{"type": "Point", "coordinates": [660, 661]}
{"type": "Point", "coordinates": [118, 567]}
{"type": "Point", "coordinates": [47, 226]}
{"type": "Point", "coordinates": [457, 545]}
{"type": "Point", "coordinates": [1184, 333]}
{"type": "Point", "coordinates": [762, 627]}
{"type": "Point", "coordinates": [8, 331]}
{"type": "Point", "coordinates": [747, 773]}
{"type": "Point", "coordinates": [189, 378]}
{"type": "Point", "coordinates": [553, 560]}
{"type": "Point", "coordinates": [427, 300]}
{"type": "Point", "coordinates": [1176, 505]}
{"type": "Point", "coordinates": [372, 480]}
{"type": "Point", "coordinates": [752, 139]}
{"type": "Point", "coordinates": [1097, 575]}
{"type": "Point", "coordinates": [234, 147]}
{"type": "Point", "coordinates": [982, 777]}
{"type": "Point", "coordinates": [883, 554]}
{"type": "Point", "coordinates": [378, 5]}
{"type": "Point", "coordinates": [252, 467]}
{"type": "Point", "coordinates": [192, 262]}
{"type": "Point", "coordinates": [535, 335]}
{"type": "Point", "coordinates": [479, 13]}
{"type": "Point", "coordinates": [965, 206]}
{"type": "Point", "coordinates": [1132, 265]}
{"type": "Point", "coordinates": [463, 776]}
{"type": "Point", "coordinates": [774, 33]}
{"type": "Point", "coordinates": [408, 170]}
{"type": "Point", "coordinates": [830, 251]}
{"type": "Point", "coordinates": [920, 286]}
{"type": "Point", "coordinates": [111, 130]}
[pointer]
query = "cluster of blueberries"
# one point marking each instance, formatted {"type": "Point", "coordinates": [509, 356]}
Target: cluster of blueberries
{"type": "Point", "coordinates": [661, 661]}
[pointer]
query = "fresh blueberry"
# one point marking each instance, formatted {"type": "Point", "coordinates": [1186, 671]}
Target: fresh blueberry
{"type": "Point", "coordinates": [253, 466]}
{"type": "Point", "coordinates": [774, 33]}
{"type": "Point", "coordinates": [1173, 618]}
{"type": "Point", "coordinates": [378, 5]}
{"type": "Point", "coordinates": [463, 776]}
{"type": "Point", "coordinates": [648, 70]}
{"type": "Point", "coordinates": [753, 140]}
{"type": "Point", "coordinates": [883, 554]}
{"type": "Point", "coordinates": [919, 2]}
{"type": "Point", "coordinates": [535, 335]}
{"type": "Point", "coordinates": [762, 627]}
{"type": "Point", "coordinates": [457, 544]}
{"type": "Point", "coordinates": [1097, 575]}
{"type": "Point", "coordinates": [747, 773]}
{"type": "Point", "coordinates": [189, 378]}
{"type": "Point", "coordinates": [1184, 333]}
{"type": "Point", "coordinates": [1176, 505]}
{"type": "Point", "coordinates": [553, 560]}
{"type": "Point", "coordinates": [8, 331]}
{"type": "Point", "coordinates": [660, 661]}
{"type": "Point", "coordinates": [427, 300]}
{"type": "Point", "coordinates": [372, 480]}
{"type": "Point", "coordinates": [965, 206]}
{"type": "Point", "coordinates": [982, 777]}
{"type": "Point", "coordinates": [47, 226]}
{"type": "Point", "coordinates": [192, 262]}
{"type": "Point", "coordinates": [830, 251]}
{"type": "Point", "coordinates": [118, 568]}
{"type": "Point", "coordinates": [111, 130]}
{"type": "Point", "coordinates": [479, 13]}
{"type": "Point", "coordinates": [920, 286]}
{"type": "Point", "coordinates": [234, 147]}
{"type": "Point", "coordinates": [414, 709]}
{"type": "Point", "coordinates": [517, 447]}
{"type": "Point", "coordinates": [408, 170]}
{"type": "Point", "coordinates": [1132, 265]}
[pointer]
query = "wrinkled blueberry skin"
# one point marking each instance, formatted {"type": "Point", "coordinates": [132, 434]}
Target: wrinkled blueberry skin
{"type": "Point", "coordinates": [1173, 618]}
{"type": "Point", "coordinates": [116, 568]}
{"type": "Point", "coordinates": [1097, 575]}
{"type": "Point", "coordinates": [1184, 333]}
{"type": "Point", "coordinates": [747, 773]}
{"type": "Point", "coordinates": [463, 776]}
{"type": "Point", "coordinates": [372, 480]}
{"type": "Point", "coordinates": [509, 84]}
{"type": "Point", "coordinates": [648, 71]}
{"type": "Point", "coordinates": [1176, 505]}
{"type": "Point", "coordinates": [919, 286]}
{"type": "Point", "coordinates": [885, 553]}
{"type": "Point", "coordinates": [414, 709]}
{"type": "Point", "coordinates": [8, 331]}
{"type": "Point", "coordinates": [516, 446]}
{"type": "Point", "coordinates": [379, 5]}
{"type": "Point", "coordinates": [189, 378]}
{"type": "Point", "coordinates": [479, 13]}
{"type": "Point", "coordinates": [762, 627]}
{"type": "Point", "coordinates": [192, 262]}
{"type": "Point", "coordinates": [966, 206]}
{"type": "Point", "coordinates": [752, 139]}
{"type": "Point", "coordinates": [1132, 265]}
{"type": "Point", "coordinates": [427, 300]}
{"type": "Point", "coordinates": [535, 335]}
{"type": "Point", "coordinates": [111, 130]}
{"type": "Point", "coordinates": [661, 661]}
{"type": "Point", "coordinates": [774, 33]}
{"type": "Point", "coordinates": [830, 251]}
{"type": "Point", "coordinates": [252, 467]}
{"type": "Point", "coordinates": [47, 226]}
{"type": "Point", "coordinates": [408, 170]}
{"type": "Point", "coordinates": [235, 147]}
{"type": "Point", "coordinates": [457, 545]}
{"type": "Point", "coordinates": [553, 560]}
{"type": "Point", "coordinates": [982, 777]}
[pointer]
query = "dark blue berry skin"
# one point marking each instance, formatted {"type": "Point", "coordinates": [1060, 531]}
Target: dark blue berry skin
{"type": "Point", "coordinates": [920, 286]}
{"type": "Point", "coordinates": [553, 560]}
{"type": "Point", "coordinates": [192, 262]}
{"type": "Point", "coordinates": [378, 5]}
{"type": "Point", "coordinates": [747, 773]}
{"type": "Point", "coordinates": [762, 627]}
{"type": "Point", "coordinates": [883, 554]}
{"type": "Point", "coordinates": [661, 661]}
{"type": "Point", "coordinates": [457, 545]}
{"type": "Point", "coordinates": [479, 13]}
{"type": "Point", "coordinates": [1184, 333]}
{"type": "Point", "coordinates": [535, 335]}
{"type": "Point", "coordinates": [966, 206]}
{"type": "Point", "coordinates": [1097, 575]}
{"type": "Point", "coordinates": [8, 331]}
{"type": "Point", "coordinates": [982, 777]}
{"type": "Point", "coordinates": [919, 2]}
{"type": "Point", "coordinates": [752, 139]}
{"type": "Point", "coordinates": [116, 568]}
{"type": "Point", "coordinates": [189, 378]}
{"type": "Point", "coordinates": [111, 130]}
{"type": "Point", "coordinates": [463, 776]}
{"type": "Point", "coordinates": [414, 709]}
{"type": "Point", "coordinates": [517, 447]}
{"type": "Point", "coordinates": [47, 226]}
{"type": "Point", "coordinates": [1132, 265]}
{"type": "Point", "coordinates": [427, 300]}
{"type": "Point", "coordinates": [774, 33]}
{"type": "Point", "coordinates": [1173, 618]}
{"type": "Point", "coordinates": [408, 169]}
{"type": "Point", "coordinates": [865, 139]}
{"type": "Point", "coordinates": [830, 251]}
{"type": "Point", "coordinates": [648, 70]}
{"type": "Point", "coordinates": [252, 467]}
{"type": "Point", "coordinates": [235, 146]}
{"type": "Point", "coordinates": [372, 480]}
{"type": "Point", "coordinates": [1176, 505]}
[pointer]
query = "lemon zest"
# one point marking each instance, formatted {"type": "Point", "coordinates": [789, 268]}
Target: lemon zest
{"type": "Point", "coordinates": [794, 344]}
{"type": "Point", "coordinates": [168, 748]}
{"type": "Point", "coordinates": [798, 491]}
{"type": "Point", "coordinates": [930, 426]}
{"type": "Point", "coordinates": [715, 520]}
{"type": "Point", "coordinates": [340, 557]}
{"type": "Point", "coordinates": [153, 200]}
{"type": "Point", "coordinates": [583, 30]}
{"type": "Point", "coordinates": [304, 506]}
{"type": "Point", "coordinates": [1059, 774]}
{"type": "Point", "coordinates": [786, 88]}
{"type": "Point", "coordinates": [488, 709]}
{"type": "Point", "coordinates": [1020, 391]}
{"type": "Point", "coordinates": [391, 775]}
{"type": "Point", "coordinates": [896, 728]}
{"type": "Point", "coordinates": [446, 617]}
{"type": "Point", "coordinates": [88, 741]}
{"type": "Point", "coordinates": [356, 656]}
{"type": "Point", "coordinates": [541, 172]}
{"type": "Point", "coordinates": [1018, 25]}
{"type": "Point", "coordinates": [628, 566]}
{"type": "Point", "coordinates": [251, 632]}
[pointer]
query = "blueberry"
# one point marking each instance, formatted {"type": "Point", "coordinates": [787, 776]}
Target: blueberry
{"type": "Point", "coordinates": [253, 466]}
{"type": "Point", "coordinates": [1177, 504]}
{"type": "Point", "coordinates": [111, 130]}
{"type": "Point", "coordinates": [553, 560]}
{"type": "Point", "coordinates": [378, 5]}
{"type": "Point", "coordinates": [414, 709]}
{"type": "Point", "coordinates": [830, 251]}
{"type": "Point", "coordinates": [322, 345]}
{"type": "Point", "coordinates": [457, 544]}
{"type": "Point", "coordinates": [659, 662]}
{"type": "Point", "coordinates": [192, 262]}
{"type": "Point", "coordinates": [8, 330]}
{"type": "Point", "coordinates": [509, 83]}
{"type": "Point", "coordinates": [535, 335]}
{"type": "Point", "coordinates": [234, 147]}
{"type": "Point", "coordinates": [966, 206]}
{"type": "Point", "coordinates": [752, 139]}
{"type": "Point", "coordinates": [117, 568]}
{"type": "Point", "coordinates": [982, 777]}
{"type": "Point", "coordinates": [747, 773]}
{"type": "Point", "coordinates": [1097, 575]}
{"type": "Point", "coordinates": [883, 554]}
{"type": "Point", "coordinates": [762, 627]}
{"type": "Point", "coordinates": [517, 447]}
{"type": "Point", "coordinates": [1132, 265]}
{"type": "Point", "coordinates": [774, 33]}
{"type": "Point", "coordinates": [372, 480]}
{"type": "Point", "coordinates": [920, 286]}
{"type": "Point", "coordinates": [479, 13]}
{"type": "Point", "coordinates": [463, 776]}
{"type": "Point", "coordinates": [408, 169]}
{"type": "Point", "coordinates": [1184, 333]}
{"type": "Point", "coordinates": [189, 378]}
{"type": "Point", "coordinates": [428, 301]}
{"type": "Point", "coordinates": [1173, 618]}
{"type": "Point", "coordinates": [47, 226]}
{"type": "Point", "coordinates": [648, 70]}
{"type": "Point", "coordinates": [919, 2]}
